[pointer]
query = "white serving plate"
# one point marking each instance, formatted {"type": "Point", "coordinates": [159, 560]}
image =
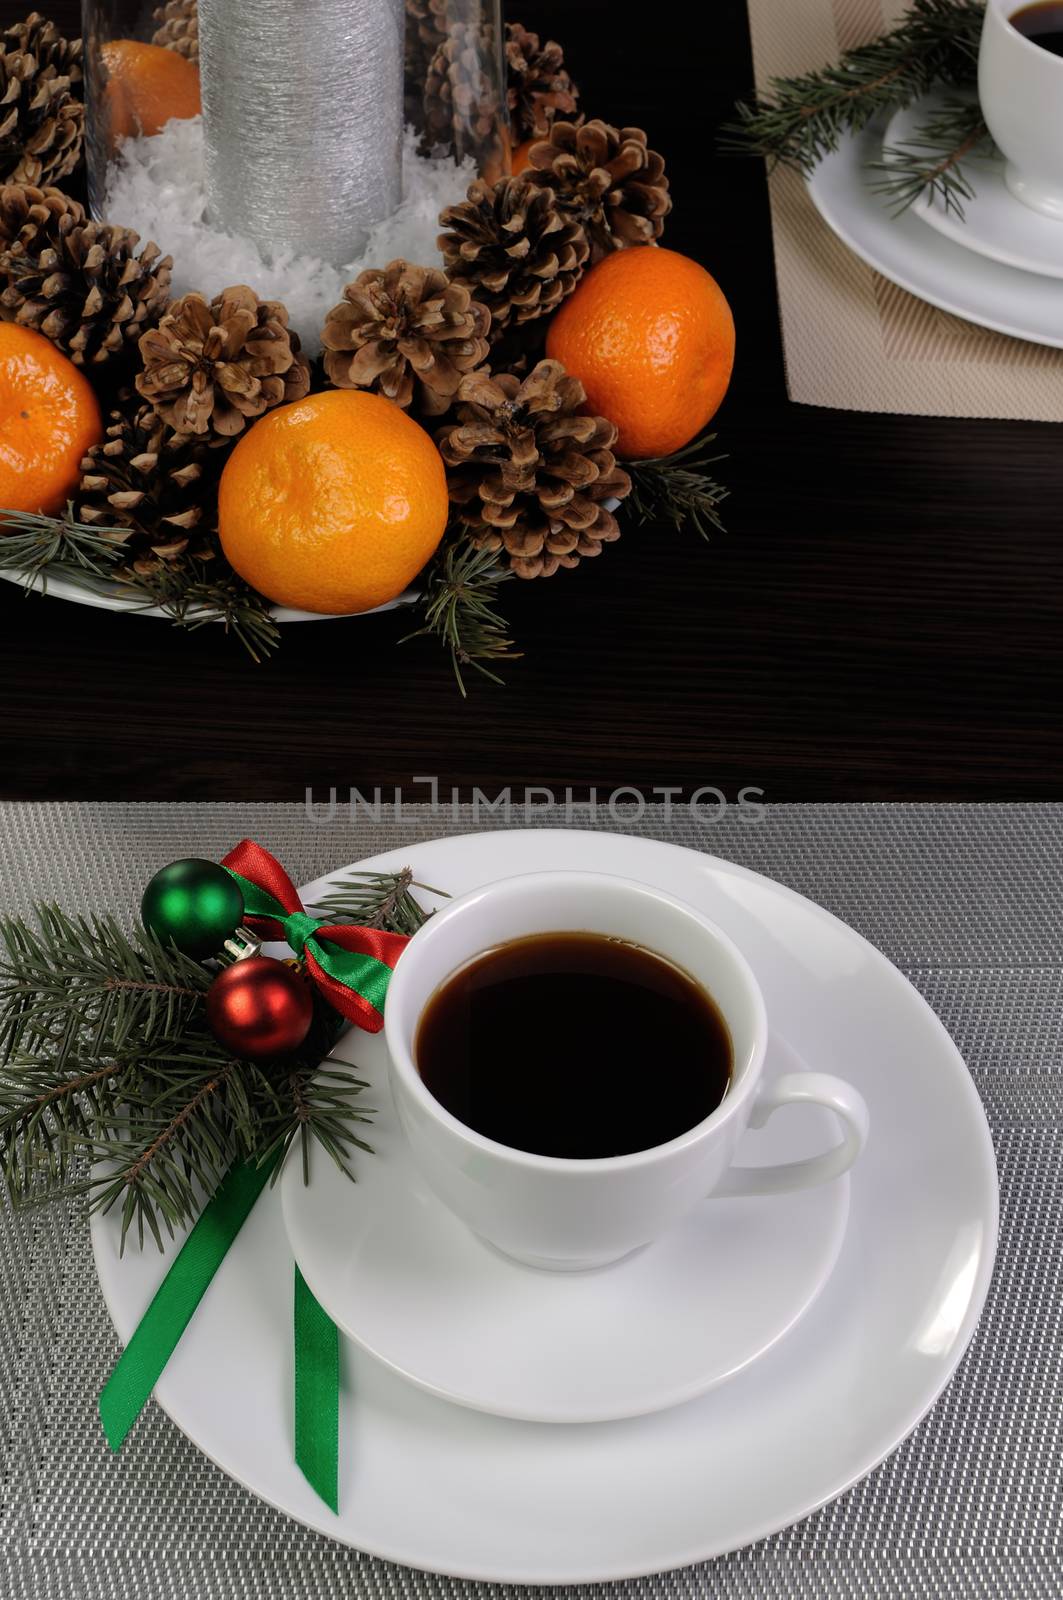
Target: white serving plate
{"type": "Point", "coordinates": [112, 597]}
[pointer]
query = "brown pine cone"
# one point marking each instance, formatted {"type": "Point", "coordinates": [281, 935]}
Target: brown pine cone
{"type": "Point", "coordinates": [539, 88]}
{"type": "Point", "coordinates": [426, 21]}
{"type": "Point", "coordinates": [212, 368]}
{"type": "Point", "coordinates": [407, 333]}
{"type": "Point", "coordinates": [42, 117]}
{"type": "Point", "coordinates": [528, 472]}
{"type": "Point", "coordinates": [159, 485]}
{"type": "Point", "coordinates": [463, 112]}
{"type": "Point", "coordinates": [512, 246]}
{"type": "Point", "coordinates": [178, 27]}
{"type": "Point", "coordinates": [80, 283]}
{"type": "Point", "coordinates": [426, 28]}
{"type": "Point", "coordinates": [608, 179]}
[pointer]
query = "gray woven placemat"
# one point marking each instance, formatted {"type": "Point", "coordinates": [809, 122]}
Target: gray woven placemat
{"type": "Point", "coordinates": [965, 899]}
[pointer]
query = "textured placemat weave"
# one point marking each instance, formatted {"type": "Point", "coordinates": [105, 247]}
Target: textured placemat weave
{"type": "Point", "coordinates": [853, 339]}
{"type": "Point", "coordinates": [965, 899]}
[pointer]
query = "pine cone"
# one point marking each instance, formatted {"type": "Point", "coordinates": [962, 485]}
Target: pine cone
{"type": "Point", "coordinates": [539, 87]}
{"type": "Point", "coordinates": [42, 118]}
{"type": "Point", "coordinates": [528, 471]}
{"type": "Point", "coordinates": [426, 28]}
{"type": "Point", "coordinates": [407, 333]}
{"type": "Point", "coordinates": [80, 283]}
{"type": "Point", "coordinates": [462, 109]}
{"type": "Point", "coordinates": [178, 27]}
{"type": "Point", "coordinates": [160, 485]}
{"type": "Point", "coordinates": [514, 249]}
{"type": "Point", "coordinates": [607, 178]}
{"type": "Point", "coordinates": [212, 368]}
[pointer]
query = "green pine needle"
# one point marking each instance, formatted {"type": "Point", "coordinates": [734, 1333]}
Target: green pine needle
{"type": "Point", "coordinates": [191, 593]}
{"type": "Point", "coordinates": [34, 545]}
{"type": "Point", "coordinates": [802, 119]}
{"type": "Point", "coordinates": [459, 607]}
{"type": "Point", "coordinates": [679, 488]}
{"type": "Point", "coordinates": [112, 1084]}
{"type": "Point", "coordinates": [376, 900]}
{"type": "Point", "coordinates": [930, 163]}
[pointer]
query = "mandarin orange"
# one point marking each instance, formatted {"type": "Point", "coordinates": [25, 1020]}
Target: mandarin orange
{"type": "Point", "coordinates": [334, 503]}
{"type": "Point", "coordinates": [49, 420]}
{"type": "Point", "coordinates": [147, 85]}
{"type": "Point", "coordinates": [650, 336]}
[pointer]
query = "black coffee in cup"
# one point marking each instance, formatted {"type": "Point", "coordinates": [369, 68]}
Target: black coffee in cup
{"type": "Point", "coordinates": [1042, 24]}
{"type": "Point", "coordinates": [574, 1045]}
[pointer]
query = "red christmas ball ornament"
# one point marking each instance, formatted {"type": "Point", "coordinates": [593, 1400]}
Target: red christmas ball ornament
{"type": "Point", "coordinates": [259, 1008]}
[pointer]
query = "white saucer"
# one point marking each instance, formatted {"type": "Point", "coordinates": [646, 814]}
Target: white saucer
{"type": "Point", "coordinates": [441, 1487]}
{"type": "Point", "coordinates": [994, 223]}
{"type": "Point", "coordinates": [936, 269]}
{"type": "Point", "coordinates": [409, 1283]}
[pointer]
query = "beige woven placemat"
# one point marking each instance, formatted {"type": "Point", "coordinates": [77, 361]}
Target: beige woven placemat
{"type": "Point", "coordinates": [853, 339]}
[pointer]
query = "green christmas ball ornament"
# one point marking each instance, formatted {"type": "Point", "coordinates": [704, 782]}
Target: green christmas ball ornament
{"type": "Point", "coordinates": [193, 904]}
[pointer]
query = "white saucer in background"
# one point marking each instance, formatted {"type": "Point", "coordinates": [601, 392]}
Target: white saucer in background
{"type": "Point", "coordinates": [953, 277]}
{"type": "Point", "coordinates": [994, 223]}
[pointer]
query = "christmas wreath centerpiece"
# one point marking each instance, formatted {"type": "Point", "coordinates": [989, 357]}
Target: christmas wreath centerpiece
{"type": "Point", "coordinates": [472, 418]}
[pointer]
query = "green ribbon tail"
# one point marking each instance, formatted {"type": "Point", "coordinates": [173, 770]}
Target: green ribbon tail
{"type": "Point", "coordinates": [317, 1394]}
{"type": "Point", "coordinates": [141, 1363]}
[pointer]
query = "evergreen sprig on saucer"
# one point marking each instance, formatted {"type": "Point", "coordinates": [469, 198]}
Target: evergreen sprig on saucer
{"type": "Point", "coordinates": [802, 119]}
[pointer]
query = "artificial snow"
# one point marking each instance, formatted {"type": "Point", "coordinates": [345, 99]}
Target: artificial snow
{"type": "Point", "coordinates": [157, 187]}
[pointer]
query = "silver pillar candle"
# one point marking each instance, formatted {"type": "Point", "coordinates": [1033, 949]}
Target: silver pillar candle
{"type": "Point", "coordinates": [302, 112]}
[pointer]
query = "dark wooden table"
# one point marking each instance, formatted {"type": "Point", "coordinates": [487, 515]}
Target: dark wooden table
{"type": "Point", "coordinates": [881, 620]}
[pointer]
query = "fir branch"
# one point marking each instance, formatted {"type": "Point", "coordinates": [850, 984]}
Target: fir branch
{"type": "Point", "coordinates": [802, 119]}
{"type": "Point", "coordinates": [191, 593]}
{"type": "Point", "coordinates": [162, 1161]}
{"type": "Point", "coordinates": [195, 592]}
{"type": "Point", "coordinates": [322, 1110]}
{"type": "Point", "coordinates": [930, 163]}
{"type": "Point", "coordinates": [34, 546]}
{"type": "Point", "coordinates": [111, 1083]}
{"type": "Point", "coordinates": [376, 900]}
{"type": "Point", "coordinates": [459, 605]}
{"type": "Point", "coordinates": [678, 488]}
{"type": "Point", "coordinates": [72, 983]}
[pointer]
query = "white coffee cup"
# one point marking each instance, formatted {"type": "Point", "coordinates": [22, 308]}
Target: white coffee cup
{"type": "Point", "coordinates": [1020, 87]}
{"type": "Point", "coordinates": [568, 1214]}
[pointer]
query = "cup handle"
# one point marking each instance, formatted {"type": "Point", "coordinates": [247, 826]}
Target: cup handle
{"type": "Point", "coordinates": [802, 1088]}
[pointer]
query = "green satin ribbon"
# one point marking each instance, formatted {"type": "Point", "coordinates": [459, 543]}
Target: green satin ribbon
{"type": "Point", "coordinates": [364, 974]}
{"type": "Point", "coordinates": [156, 1336]}
{"type": "Point", "coordinates": [317, 1394]}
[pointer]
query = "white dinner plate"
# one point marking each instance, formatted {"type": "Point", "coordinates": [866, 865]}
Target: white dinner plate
{"type": "Point", "coordinates": [927, 264]}
{"type": "Point", "coordinates": [405, 1279]}
{"type": "Point", "coordinates": [442, 1487]}
{"type": "Point", "coordinates": [993, 223]}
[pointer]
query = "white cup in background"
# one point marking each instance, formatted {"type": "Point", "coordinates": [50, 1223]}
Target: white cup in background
{"type": "Point", "coordinates": [1020, 87]}
{"type": "Point", "coordinates": [568, 1214]}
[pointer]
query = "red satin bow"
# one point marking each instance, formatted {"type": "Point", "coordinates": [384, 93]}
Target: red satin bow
{"type": "Point", "coordinates": [350, 965]}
